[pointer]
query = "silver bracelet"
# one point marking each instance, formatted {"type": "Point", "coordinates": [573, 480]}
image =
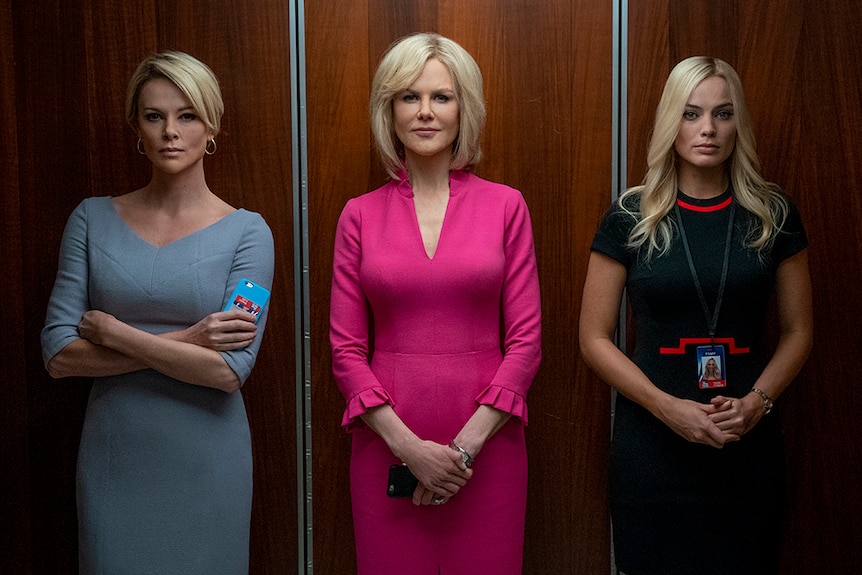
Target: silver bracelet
{"type": "Point", "coordinates": [466, 458]}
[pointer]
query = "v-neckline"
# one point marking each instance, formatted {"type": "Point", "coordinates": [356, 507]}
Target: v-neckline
{"type": "Point", "coordinates": [431, 257]}
{"type": "Point", "coordinates": [456, 185]}
{"type": "Point", "coordinates": [132, 230]}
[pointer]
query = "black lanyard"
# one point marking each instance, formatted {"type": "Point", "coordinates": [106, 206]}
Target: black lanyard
{"type": "Point", "coordinates": [712, 321]}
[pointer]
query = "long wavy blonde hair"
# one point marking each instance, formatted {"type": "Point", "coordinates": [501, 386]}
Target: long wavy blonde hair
{"type": "Point", "coordinates": [657, 193]}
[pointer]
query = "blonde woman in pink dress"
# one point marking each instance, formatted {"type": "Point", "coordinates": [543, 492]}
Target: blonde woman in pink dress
{"type": "Point", "coordinates": [435, 328]}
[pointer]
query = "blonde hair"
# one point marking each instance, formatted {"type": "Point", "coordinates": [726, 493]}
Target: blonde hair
{"type": "Point", "coordinates": [190, 75]}
{"type": "Point", "coordinates": [400, 67]}
{"type": "Point", "coordinates": [657, 193]}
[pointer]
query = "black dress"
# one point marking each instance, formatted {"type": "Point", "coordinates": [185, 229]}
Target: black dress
{"type": "Point", "coordinates": [679, 507]}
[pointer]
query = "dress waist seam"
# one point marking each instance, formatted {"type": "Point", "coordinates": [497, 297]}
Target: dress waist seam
{"type": "Point", "coordinates": [495, 350]}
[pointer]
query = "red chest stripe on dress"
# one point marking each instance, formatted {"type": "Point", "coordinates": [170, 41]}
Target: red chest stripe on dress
{"type": "Point", "coordinates": [684, 341]}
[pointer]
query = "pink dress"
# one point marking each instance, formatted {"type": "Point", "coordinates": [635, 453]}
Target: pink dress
{"type": "Point", "coordinates": [436, 337]}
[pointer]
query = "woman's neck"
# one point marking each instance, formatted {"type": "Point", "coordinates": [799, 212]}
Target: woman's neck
{"type": "Point", "coordinates": [182, 188]}
{"type": "Point", "coordinates": [703, 184]}
{"type": "Point", "coordinates": [428, 176]}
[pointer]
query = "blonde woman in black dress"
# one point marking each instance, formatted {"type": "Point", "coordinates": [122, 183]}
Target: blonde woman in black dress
{"type": "Point", "coordinates": [697, 471]}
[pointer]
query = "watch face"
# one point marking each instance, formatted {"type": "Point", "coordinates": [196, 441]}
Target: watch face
{"type": "Point", "coordinates": [767, 401]}
{"type": "Point", "coordinates": [466, 459]}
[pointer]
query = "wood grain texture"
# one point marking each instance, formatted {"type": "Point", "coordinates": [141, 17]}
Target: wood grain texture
{"type": "Point", "coordinates": [798, 64]}
{"type": "Point", "coordinates": [14, 475]}
{"type": "Point", "coordinates": [73, 65]}
{"type": "Point", "coordinates": [547, 72]}
{"type": "Point", "coordinates": [825, 179]}
{"type": "Point", "coordinates": [53, 161]}
{"type": "Point", "coordinates": [339, 158]}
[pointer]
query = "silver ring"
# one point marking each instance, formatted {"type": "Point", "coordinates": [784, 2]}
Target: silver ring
{"type": "Point", "coordinates": [438, 501]}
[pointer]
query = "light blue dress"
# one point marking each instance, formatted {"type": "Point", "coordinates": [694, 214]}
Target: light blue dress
{"type": "Point", "coordinates": [164, 467]}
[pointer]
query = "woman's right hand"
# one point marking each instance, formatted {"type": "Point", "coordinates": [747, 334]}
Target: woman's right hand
{"type": "Point", "coordinates": [690, 420]}
{"type": "Point", "coordinates": [438, 470]}
{"type": "Point", "coordinates": [436, 466]}
{"type": "Point", "coordinates": [220, 331]}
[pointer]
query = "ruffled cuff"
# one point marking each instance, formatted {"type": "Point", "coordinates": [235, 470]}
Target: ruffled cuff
{"type": "Point", "coordinates": [505, 400]}
{"type": "Point", "coordinates": [362, 402]}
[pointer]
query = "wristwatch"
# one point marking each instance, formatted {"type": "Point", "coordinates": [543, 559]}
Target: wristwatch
{"type": "Point", "coordinates": [466, 458]}
{"type": "Point", "coordinates": [767, 401]}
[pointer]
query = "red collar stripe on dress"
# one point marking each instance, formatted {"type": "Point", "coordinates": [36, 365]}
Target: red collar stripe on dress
{"type": "Point", "coordinates": [694, 208]}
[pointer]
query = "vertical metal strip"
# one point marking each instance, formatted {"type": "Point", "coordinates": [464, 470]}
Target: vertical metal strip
{"type": "Point", "coordinates": [621, 100]}
{"type": "Point", "coordinates": [302, 295]}
{"type": "Point", "coordinates": [619, 103]}
{"type": "Point", "coordinates": [620, 121]}
{"type": "Point", "coordinates": [619, 177]}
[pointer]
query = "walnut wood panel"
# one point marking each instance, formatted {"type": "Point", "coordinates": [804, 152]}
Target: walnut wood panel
{"type": "Point", "coordinates": [339, 162]}
{"type": "Point", "coordinates": [51, 118]}
{"type": "Point", "coordinates": [798, 65]}
{"type": "Point", "coordinates": [822, 424]}
{"type": "Point", "coordinates": [547, 69]}
{"type": "Point", "coordinates": [73, 61]}
{"type": "Point", "coordinates": [14, 484]}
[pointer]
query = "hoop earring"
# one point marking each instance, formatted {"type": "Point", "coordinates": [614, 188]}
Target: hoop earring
{"type": "Point", "coordinates": [140, 151]}
{"type": "Point", "coordinates": [207, 148]}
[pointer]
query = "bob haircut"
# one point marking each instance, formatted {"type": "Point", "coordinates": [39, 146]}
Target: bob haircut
{"type": "Point", "coordinates": [190, 75]}
{"type": "Point", "coordinates": [657, 193]}
{"type": "Point", "coordinates": [400, 67]}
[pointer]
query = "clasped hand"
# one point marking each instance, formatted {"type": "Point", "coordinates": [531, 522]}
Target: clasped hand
{"type": "Point", "coordinates": [722, 421]}
{"type": "Point", "coordinates": [438, 468]}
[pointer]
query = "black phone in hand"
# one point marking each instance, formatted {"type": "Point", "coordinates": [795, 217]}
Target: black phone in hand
{"type": "Point", "coordinates": [402, 483]}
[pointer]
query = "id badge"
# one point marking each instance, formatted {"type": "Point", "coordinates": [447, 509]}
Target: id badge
{"type": "Point", "coordinates": [711, 367]}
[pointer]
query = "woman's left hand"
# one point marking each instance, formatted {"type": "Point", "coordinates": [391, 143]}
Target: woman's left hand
{"type": "Point", "coordinates": [424, 496]}
{"type": "Point", "coordinates": [436, 467]}
{"type": "Point", "coordinates": [221, 331]}
{"type": "Point", "coordinates": [736, 415]}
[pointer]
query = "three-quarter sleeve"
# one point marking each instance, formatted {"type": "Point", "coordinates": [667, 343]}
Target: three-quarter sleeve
{"type": "Point", "coordinates": [350, 323]}
{"type": "Point", "coordinates": [254, 260]}
{"type": "Point", "coordinates": [521, 316]}
{"type": "Point", "coordinates": [91, 275]}
{"type": "Point", "coordinates": [69, 297]}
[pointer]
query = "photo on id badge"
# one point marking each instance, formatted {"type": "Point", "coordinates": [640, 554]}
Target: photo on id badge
{"type": "Point", "coordinates": [711, 368]}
